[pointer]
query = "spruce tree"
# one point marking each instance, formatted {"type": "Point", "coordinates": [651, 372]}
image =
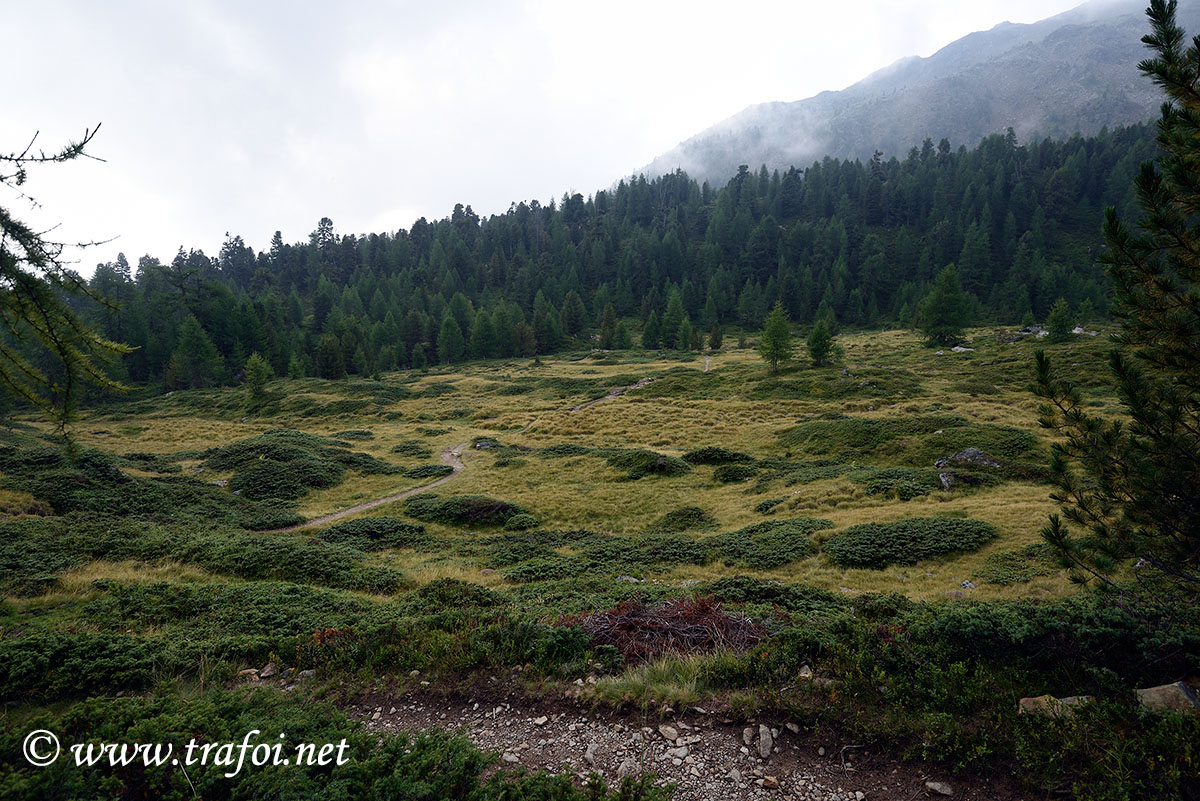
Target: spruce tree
{"type": "Point", "coordinates": [1059, 322]}
{"type": "Point", "coordinates": [258, 372]}
{"type": "Point", "coordinates": [715, 337]}
{"type": "Point", "coordinates": [820, 344]}
{"type": "Point", "coordinates": [1128, 489]}
{"type": "Point", "coordinates": [775, 345]}
{"type": "Point", "coordinates": [652, 333]}
{"type": "Point", "coordinates": [195, 361]}
{"type": "Point", "coordinates": [943, 312]}
{"type": "Point", "coordinates": [451, 345]}
{"type": "Point", "coordinates": [608, 328]}
{"type": "Point", "coordinates": [331, 363]}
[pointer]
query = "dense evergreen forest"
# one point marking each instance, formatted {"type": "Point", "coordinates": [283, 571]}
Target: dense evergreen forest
{"type": "Point", "coordinates": [655, 262]}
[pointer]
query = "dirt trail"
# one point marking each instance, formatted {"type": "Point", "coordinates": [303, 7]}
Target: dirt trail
{"type": "Point", "coordinates": [450, 456]}
{"type": "Point", "coordinates": [614, 392]}
{"type": "Point", "coordinates": [708, 755]}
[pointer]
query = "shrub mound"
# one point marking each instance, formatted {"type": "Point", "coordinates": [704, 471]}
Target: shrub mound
{"type": "Point", "coordinates": [285, 464]}
{"type": "Point", "coordinates": [463, 510]}
{"type": "Point", "coordinates": [715, 455]}
{"type": "Point", "coordinates": [374, 533]}
{"type": "Point", "coordinates": [770, 544]}
{"type": "Point", "coordinates": [906, 542]}
{"type": "Point", "coordinates": [429, 471]}
{"type": "Point", "coordinates": [733, 473]}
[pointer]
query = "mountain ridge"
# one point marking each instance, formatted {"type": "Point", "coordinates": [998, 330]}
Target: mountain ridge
{"type": "Point", "coordinates": [1075, 72]}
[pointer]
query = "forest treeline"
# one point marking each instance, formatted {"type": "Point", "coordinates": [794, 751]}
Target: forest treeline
{"type": "Point", "coordinates": [857, 243]}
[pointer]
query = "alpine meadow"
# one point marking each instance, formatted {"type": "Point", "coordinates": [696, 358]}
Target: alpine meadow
{"type": "Point", "coordinates": [866, 480]}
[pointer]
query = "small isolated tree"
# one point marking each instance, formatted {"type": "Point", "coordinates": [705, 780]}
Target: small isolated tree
{"type": "Point", "coordinates": [258, 373]}
{"type": "Point", "coordinates": [775, 345]}
{"type": "Point", "coordinates": [1128, 489]}
{"type": "Point", "coordinates": [623, 339]}
{"type": "Point", "coordinates": [419, 360]}
{"type": "Point", "coordinates": [1059, 323]}
{"type": "Point", "coordinates": [943, 312]}
{"type": "Point", "coordinates": [715, 337]}
{"type": "Point", "coordinates": [820, 344]}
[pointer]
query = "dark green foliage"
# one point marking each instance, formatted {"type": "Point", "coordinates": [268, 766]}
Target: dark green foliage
{"type": "Point", "coordinates": [547, 568]}
{"type": "Point", "coordinates": [428, 471]}
{"type": "Point", "coordinates": [413, 448]}
{"type": "Point", "coordinates": [902, 483]}
{"type": "Point", "coordinates": [944, 311]}
{"type": "Point", "coordinates": [797, 599]}
{"type": "Point", "coordinates": [446, 593]}
{"type": "Point", "coordinates": [564, 449]}
{"type": "Point", "coordinates": [1017, 567]}
{"type": "Point", "coordinates": [1060, 322]}
{"type": "Point", "coordinates": [768, 545]}
{"type": "Point", "coordinates": [906, 542]}
{"type": "Point", "coordinates": [820, 344]}
{"type": "Point", "coordinates": [767, 507]}
{"type": "Point", "coordinates": [918, 440]}
{"type": "Point", "coordinates": [375, 533]}
{"type": "Point", "coordinates": [775, 343]}
{"type": "Point", "coordinates": [687, 518]}
{"type": "Point", "coordinates": [360, 434]}
{"type": "Point", "coordinates": [94, 483]}
{"type": "Point", "coordinates": [434, 766]}
{"type": "Point", "coordinates": [461, 510]}
{"type": "Point", "coordinates": [521, 522]}
{"type": "Point", "coordinates": [640, 463]}
{"type": "Point", "coordinates": [38, 550]}
{"type": "Point", "coordinates": [286, 464]}
{"type": "Point", "coordinates": [1128, 487]}
{"type": "Point", "coordinates": [731, 473]}
{"type": "Point", "coordinates": [715, 454]}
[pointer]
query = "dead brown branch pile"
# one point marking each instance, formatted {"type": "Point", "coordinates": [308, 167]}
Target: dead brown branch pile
{"type": "Point", "coordinates": [681, 625]}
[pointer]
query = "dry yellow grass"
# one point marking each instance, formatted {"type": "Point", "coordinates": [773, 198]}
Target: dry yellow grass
{"type": "Point", "coordinates": [985, 386]}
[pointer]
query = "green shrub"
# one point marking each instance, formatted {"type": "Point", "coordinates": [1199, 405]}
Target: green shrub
{"type": "Point", "coordinates": [731, 473]}
{"type": "Point", "coordinates": [686, 518]}
{"type": "Point", "coordinates": [918, 439]}
{"type": "Point", "coordinates": [520, 522]}
{"type": "Point", "coordinates": [464, 510]}
{"type": "Point", "coordinates": [432, 766]}
{"type": "Point", "coordinates": [375, 533]}
{"type": "Point", "coordinates": [767, 507]}
{"type": "Point", "coordinates": [449, 594]}
{"type": "Point", "coordinates": [548, 568]}
{"type": "Point", "coordinates": [768, 545]}
{"type": "Point", "coordinates": [640, 463]}
{"type": "Point", "coordinates": [716, 455]}
{"type": "Point", "coordinates": [906, 542]}
{"type": "Point", "coordinates": [1017, 567]}
{"type": "Point", "coordinates": [414, 448]}
{"type": "Point", "coordinates": [428, 471]}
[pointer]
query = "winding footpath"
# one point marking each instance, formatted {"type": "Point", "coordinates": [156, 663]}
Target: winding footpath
{"type": "Point", "coordinates": [450, 456]}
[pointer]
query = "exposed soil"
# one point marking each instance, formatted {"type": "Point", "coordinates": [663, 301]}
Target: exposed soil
{"type": "Point", "coordinates": [450, 456]}
{"type": "Point", "coordinates": [708, 755]}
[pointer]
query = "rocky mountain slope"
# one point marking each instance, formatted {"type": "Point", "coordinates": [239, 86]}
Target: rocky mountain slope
{"type": "Point", "coordinates": [1074, 72]}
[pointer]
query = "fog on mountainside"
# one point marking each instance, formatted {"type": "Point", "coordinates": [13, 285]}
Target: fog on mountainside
{"type": "Point", "coordinates": [1072, 73]}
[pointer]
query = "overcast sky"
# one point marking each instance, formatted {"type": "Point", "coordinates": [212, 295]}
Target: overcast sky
{"type": "Point", "coordinates": [250, 117]}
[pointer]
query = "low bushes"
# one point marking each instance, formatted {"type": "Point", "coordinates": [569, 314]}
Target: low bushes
{"type": "Point", "coordinates": [428, 471]}
{"type": "Point", "coordinates": [375, 533]}
{"type": "Point", "coordinates": [906, 542]}
{"type": "Point", "coordinates": [768, 545]}
{"type": "Point", "coordinates": [716, 455]}
{"type": "Point", "coordinates": [462, 510]}
{"type": "Point", "coordinates": [686, 518]}
{"type": "Point", "coordinates": [732, 473]}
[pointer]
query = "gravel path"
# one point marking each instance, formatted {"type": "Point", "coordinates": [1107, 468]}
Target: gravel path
{"type": "Point", "coordinates": [709, 757]}
{"type": "Point", "coordinates": [450, 456]}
